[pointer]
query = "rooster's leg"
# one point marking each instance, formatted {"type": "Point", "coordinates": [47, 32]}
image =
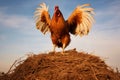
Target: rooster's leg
{"type": "Point", "coordinates": [63, 48]}
{"type": "Point", "coordinates": [54, 46]}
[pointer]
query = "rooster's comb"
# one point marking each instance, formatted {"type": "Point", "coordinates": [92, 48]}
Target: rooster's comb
{"type": "Point", "coordinates": [56, 7]}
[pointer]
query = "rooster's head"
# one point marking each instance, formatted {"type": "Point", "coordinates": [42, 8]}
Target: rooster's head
{"type": "Point", "coordinates": [57, 11]}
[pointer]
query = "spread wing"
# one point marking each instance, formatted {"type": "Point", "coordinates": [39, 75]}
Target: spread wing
{"type": "Point", "coordinates": [42, 18]}
{"type": "Point", "coordinates": [81, 20]}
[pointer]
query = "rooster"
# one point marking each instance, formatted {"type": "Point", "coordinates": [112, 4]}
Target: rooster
{"type": "Point", "coordinates": [78, 23]}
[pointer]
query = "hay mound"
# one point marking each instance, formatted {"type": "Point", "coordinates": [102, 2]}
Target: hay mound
{"type": "Point", "coordinates": [71, 66]}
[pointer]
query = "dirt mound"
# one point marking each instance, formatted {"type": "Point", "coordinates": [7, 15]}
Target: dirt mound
{"type": "Point", "coordinates": [71, 66]}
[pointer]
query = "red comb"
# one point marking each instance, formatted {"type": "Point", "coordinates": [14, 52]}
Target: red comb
{"type": "Point", "coordinates": [56, 7]}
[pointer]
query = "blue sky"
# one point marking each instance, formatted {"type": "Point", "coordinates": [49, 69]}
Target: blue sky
{"type": "Point", "coordinates": [19, 36]}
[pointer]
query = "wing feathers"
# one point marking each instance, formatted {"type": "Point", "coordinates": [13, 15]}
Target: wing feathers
{"type": "Point", "coordinates": [84, 20]}
{"type": "Point", "coordinates": [87, 9]}
{"type": "Point", "coordinates": [79, 22]}
{"type": "Point", "coordinates": [84, 5]}
{"type": "Point", "coordinates": [42, 18]}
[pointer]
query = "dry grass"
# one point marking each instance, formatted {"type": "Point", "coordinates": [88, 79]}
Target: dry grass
{"type": "Point", "coordinates": [71, 66]}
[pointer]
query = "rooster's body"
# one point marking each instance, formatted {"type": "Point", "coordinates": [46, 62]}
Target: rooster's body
{"type": "Point", "coordinates": [78, 23]}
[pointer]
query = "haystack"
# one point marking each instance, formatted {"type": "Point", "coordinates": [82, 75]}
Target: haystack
{"type": "Point", "coordinates": [71, 66]}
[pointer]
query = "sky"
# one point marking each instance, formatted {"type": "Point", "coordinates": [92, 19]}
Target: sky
{"type": "Point", "coordinates": [19, 36]}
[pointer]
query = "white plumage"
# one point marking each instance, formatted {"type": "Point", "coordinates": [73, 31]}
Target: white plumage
{"type": "Point", "coordinates": [42, 26]}
{"type": "Point", "coordinates": [86, 21]}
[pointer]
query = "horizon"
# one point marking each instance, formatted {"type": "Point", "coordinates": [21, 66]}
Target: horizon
{"type": "Point", "coordinates": [19, 36]}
